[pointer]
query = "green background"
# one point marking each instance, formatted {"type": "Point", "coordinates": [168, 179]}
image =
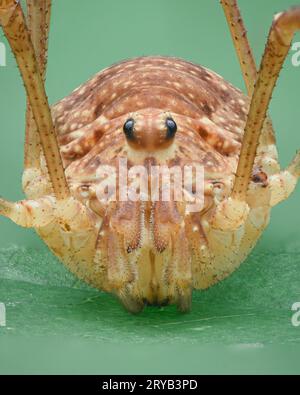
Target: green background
{"type": "Point", "coordinates": [56, 324]}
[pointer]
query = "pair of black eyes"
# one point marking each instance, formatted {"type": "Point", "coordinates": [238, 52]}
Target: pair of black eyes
{"type": "Point", "coordinates": [128, 128]}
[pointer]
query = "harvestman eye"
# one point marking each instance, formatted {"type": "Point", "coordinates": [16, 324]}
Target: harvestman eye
{"type": "Point", "coordinates": [128, 128]}
{"type": "Point", "coordinates": [171, 128]}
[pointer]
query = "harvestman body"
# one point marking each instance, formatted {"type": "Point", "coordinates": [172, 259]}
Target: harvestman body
{"type": "Point", "coordinates": [150, 110]}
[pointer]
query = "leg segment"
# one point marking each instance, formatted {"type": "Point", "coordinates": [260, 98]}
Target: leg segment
{"type": "Point", "coordinates": [38, 22]}
{"type": "Point", "coordinates": [69, 213]}
{"type": "Point", "coordinates": [278, 45]}
{"type": "Point", "coordinates": [39, 12]}
{"type": "Point", "coordinates": [246, 60]}
{"type": "Point", "coordinates": [30, 52]}
{"type": "Point", "coordinates": [29, 213]}
{"type": "Point", "coordinates": [241, 43]}
{"type": "Point", "coordinates": [230, 214]}
{"type": "Point", "coordinates": [15, 29]}
{"type": "Point", "coordinates": [284, 183]}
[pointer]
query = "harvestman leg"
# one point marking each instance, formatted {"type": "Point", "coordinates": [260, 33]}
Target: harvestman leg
{"type": "Point", "coordinates": [247, 63]}
{"type": "Point", "coordinates": [278, 45]}
{"type": "Point", "coordinates": [61, 205]}
{"type": "Point", "coordinates": [233, 211]}
{"type": "Point", "coordinates": [241, 43]}
{"type": "Point", "coordinates": [14, 26]}
{"type": "Point", "coordinates": [38, 21]}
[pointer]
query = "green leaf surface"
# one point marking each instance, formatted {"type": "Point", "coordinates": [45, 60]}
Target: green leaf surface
{"type": "Point", "coordinates": [57, 324]}
{"type": "Point", "coordinates": [251, 306]}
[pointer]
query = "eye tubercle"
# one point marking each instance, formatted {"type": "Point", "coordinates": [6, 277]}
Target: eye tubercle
{"type": "Point", "coordinates": [171, 128]}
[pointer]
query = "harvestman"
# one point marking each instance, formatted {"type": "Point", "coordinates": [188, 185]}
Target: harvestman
{"type": "Point", "coordinates": [150, 110]}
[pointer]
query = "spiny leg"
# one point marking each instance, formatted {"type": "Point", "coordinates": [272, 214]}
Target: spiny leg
{"type": "Point", "coordinates": [247, 62]}
{"type": "Point", "coordinates": [13, 23]}
{"type": "Point", "coordinates": [232, 212]}
{"type": "Point", "coordinates": [61, 207]}
{"type": "Point", "coordinates": [241, 43]}
{"type": "Point", "coordinates": [277, 48]}
{"type": "Point", "coordinates": [38, 21]}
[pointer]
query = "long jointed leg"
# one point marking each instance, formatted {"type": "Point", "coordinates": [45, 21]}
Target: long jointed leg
{"type": "Point", "coordinates": [245, 56]}
{"type": "Point", "coordinates": [61, 207]}
{"type": "Point", "coordinates": [232, 212]}
{"type": "Point", "coordinates": [241, 43]}
{"type": "Point", "coordinates": [277, 48]}
{"type": "Point", "coordinates": [38, 22]}
{"type": "Point", "coordinates": [14, 26]}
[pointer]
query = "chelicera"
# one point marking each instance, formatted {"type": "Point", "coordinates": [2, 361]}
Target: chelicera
{"type": "Point", "coordinates": [150, 110]}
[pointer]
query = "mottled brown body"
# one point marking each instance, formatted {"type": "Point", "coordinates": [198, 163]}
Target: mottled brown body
{"type": "Point", "coordinates": [150, 111]}
{"type": "Point", "coordinates": [170, 252]}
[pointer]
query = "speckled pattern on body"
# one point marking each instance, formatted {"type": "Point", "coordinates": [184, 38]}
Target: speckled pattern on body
{"type": "Point", "coordinates": [210, 115]}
